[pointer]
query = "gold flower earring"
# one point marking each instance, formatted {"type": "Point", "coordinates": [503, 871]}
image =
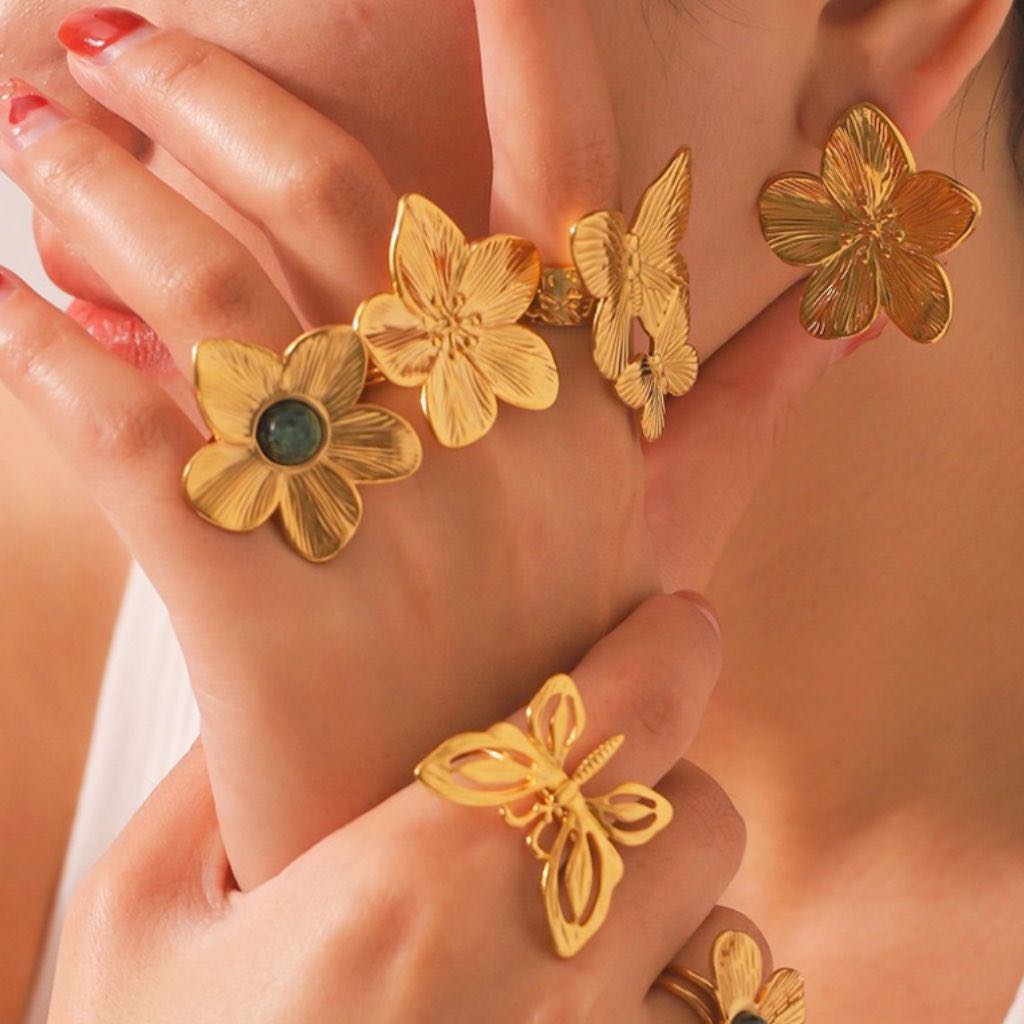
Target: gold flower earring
{"type": "Point", "coordinates": [872, 228]}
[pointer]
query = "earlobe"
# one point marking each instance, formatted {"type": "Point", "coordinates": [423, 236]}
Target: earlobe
{"type": "Point", "coordinates": [911, 57]}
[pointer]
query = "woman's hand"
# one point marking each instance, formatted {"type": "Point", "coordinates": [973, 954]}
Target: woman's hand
{"type": "Point", "coordinates": [495, 564]}
{"type": "Point", "coordinates": [421, 910]}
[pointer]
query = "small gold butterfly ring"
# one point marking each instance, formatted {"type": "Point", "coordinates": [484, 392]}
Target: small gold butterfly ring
{"type": "Point", "coordinates": [562, 299]}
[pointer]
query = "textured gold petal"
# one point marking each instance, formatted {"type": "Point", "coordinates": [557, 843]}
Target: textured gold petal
{"type": "Point", "coordinates": [397, 340]}
{"type": "Point", "coordinates": [663, 212]}
{"type": "Point", "coordinates": [612, 336]}
{"type": "Point", "coordinates": [320, 511]}
{"type": "Point", "coordinates": [459, 403]}
{"type": "Point", "coordinates": [233, 379]}
{"type": "Point", "coordinates": [936, 212]}
{"type": "Point", "coordinates": [232, 486]}
{"type": "Point", "coordinates": [638, 389]}
{"type": "Point", "coordinates": [427, 255]}
{"type": "Point", "coordinates": [866, 159]}
{"type": "Point", "coordinates": [328, 364]}
{"type": "Point", "coordinates": [916, 294]}
{"type": "Point", "coordinates": [680, 361]}
{"type": "Point", "coordinates": [738, 966]}
{"type": "Point", "coordinates": [369, 444]}
{"type": "Point", "coordinates": [598, 250]}
{"type": "Point", "coordinates": [518, 365]}
{"type": "Point", "coordinates": [842, 295]}
{"type": "Point", "coordinates": [500, 279]}
{"type": "Point", "coordinates": [659, 225]}
{"type": "Point", "coordinates": [782, 1001]}
{"type": "Point", "coordinates": [800, 220]}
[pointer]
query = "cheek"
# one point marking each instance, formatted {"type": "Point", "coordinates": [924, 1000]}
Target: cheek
{"type": "Point", "coordinates": [401, 76]}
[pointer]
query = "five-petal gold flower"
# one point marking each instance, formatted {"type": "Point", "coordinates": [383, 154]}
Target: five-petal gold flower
{"type": "Point", "coordinates": [872, 226]}
{"type": "Point", "coordinates": [738, 967]}
{"type": "Point", "coordinates": [289, 435]}
{"type": "Point", "coordinates": [451, 327]}
{"type": "Point", "coordinates": [736, 995]}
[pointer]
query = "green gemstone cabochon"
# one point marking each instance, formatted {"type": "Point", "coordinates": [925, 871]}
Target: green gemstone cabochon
{"type": "Point", "coordinates": [746, 1017]}
{"type": "Point", "coordinates": [290, 432]}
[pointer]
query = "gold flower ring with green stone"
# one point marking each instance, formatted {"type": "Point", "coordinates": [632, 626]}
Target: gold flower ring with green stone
{"type": "Point", "coordinates": [737, 995]}
{"type": "Point", "coordinates": [289, 436]}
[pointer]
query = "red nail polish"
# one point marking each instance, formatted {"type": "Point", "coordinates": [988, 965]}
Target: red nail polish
{"type": "Point", "coordinates": [25, 114]}
{"type": "Point", "coordinates": [90, 33]}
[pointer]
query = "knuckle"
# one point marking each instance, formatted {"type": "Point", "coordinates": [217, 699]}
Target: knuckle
{"type": "Point", "coordinates": [64, 171]}
{"type": "Point", "coordinates": [173, 67]}
{"type": "Point", "coordinates": [216, 284]}
{"type": "Point", "coordinates": [669, 683]}
{"type": "Point", "coordinates": [334, 181]}
{"type": "Point", "coordinates": [125, 433]}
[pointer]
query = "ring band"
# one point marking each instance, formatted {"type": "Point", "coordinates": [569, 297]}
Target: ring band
{"type": "Point", "coordinates": [737, 996]}
{"type": "Point", "coordinates": [561, 299]}
{"type": "Point", "coordinates": [507, 769]}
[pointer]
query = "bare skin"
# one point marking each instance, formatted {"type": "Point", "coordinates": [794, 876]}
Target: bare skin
{"type": "Point", "coordinates": [845, 601]}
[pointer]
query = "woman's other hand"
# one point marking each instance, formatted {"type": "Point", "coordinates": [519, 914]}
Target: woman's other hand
{"type": "Point", "coordinates": [421, 910]}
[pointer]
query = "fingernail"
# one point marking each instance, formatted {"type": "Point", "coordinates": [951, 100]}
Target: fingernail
{"type": "Point", "coordinates": [26, 115]}
{"type": "Point", "coordinates": [101, 33]}
{"type": "Point", "coordinates": [704, 606]}
{"type": "Point", "coordinates": [850, 345]}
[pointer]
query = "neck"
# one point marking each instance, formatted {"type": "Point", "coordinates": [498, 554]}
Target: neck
{"type": "Point", "coordinates": [874, 596]}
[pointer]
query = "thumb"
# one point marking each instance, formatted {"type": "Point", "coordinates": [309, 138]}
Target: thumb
{"type": "Point", "coordinates": [720, 439]}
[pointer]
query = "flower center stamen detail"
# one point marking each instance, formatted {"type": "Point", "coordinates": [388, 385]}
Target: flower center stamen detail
{"type": "Point", "coordinates": [290, 432]}
{"type": "Point", "coordinates": [452, 333]}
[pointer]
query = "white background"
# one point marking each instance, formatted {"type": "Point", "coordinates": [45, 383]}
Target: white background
{"type": "Point", "coordinates": [17, 249]}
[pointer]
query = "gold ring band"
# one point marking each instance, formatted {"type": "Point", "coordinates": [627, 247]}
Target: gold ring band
{"type": "Point", "coordinates": [561, 299]}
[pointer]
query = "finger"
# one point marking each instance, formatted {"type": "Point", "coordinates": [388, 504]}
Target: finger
{"type": "Point", "coordinates": [317, 192]}
{"type": "Point", "coordinates": [720, 439]}
{"type": "Point", "coordinates": [695, 957]}
{"type": "Point", "coordinates": [179, 270]}
{"type": "Point", "coordinates": [650, 680]}
{"type": "Point", "coordinates": [670, 885]}
{"type": "Point", "coordinates": [553, 136]}
{"type": "Point", "coordinates": [116, 427]}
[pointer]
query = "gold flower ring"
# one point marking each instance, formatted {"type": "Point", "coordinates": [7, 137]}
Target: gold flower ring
{"type": "Point", "coordinates": [450, 324]}
{"type": "Point", "coordinates": [737, 996]}
{"type": "Point", "coordinates": [289, 436]}
{"type": "Point", "coordinates": [572, 835]}
{"type": "Point", "coordinates": [872, 228]}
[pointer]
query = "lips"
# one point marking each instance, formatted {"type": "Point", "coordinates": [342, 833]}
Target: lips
{"type": "Point", "coordinates": [126, 335]}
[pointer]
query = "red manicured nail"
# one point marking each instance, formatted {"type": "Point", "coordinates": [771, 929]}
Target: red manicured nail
{"type": "Point", "coordinates": [97, 32]}
{"type": "Point", "coordinates": [25, 114]}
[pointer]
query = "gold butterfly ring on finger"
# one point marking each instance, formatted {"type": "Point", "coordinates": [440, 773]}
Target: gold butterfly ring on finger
{"type": "Point", "coordinates": [635, 272]}
{"type": "Point", "coordinates": [524, 776]}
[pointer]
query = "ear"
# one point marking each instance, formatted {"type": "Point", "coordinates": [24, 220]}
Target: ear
{"type": "Point", "coordinates": [910, 57]}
